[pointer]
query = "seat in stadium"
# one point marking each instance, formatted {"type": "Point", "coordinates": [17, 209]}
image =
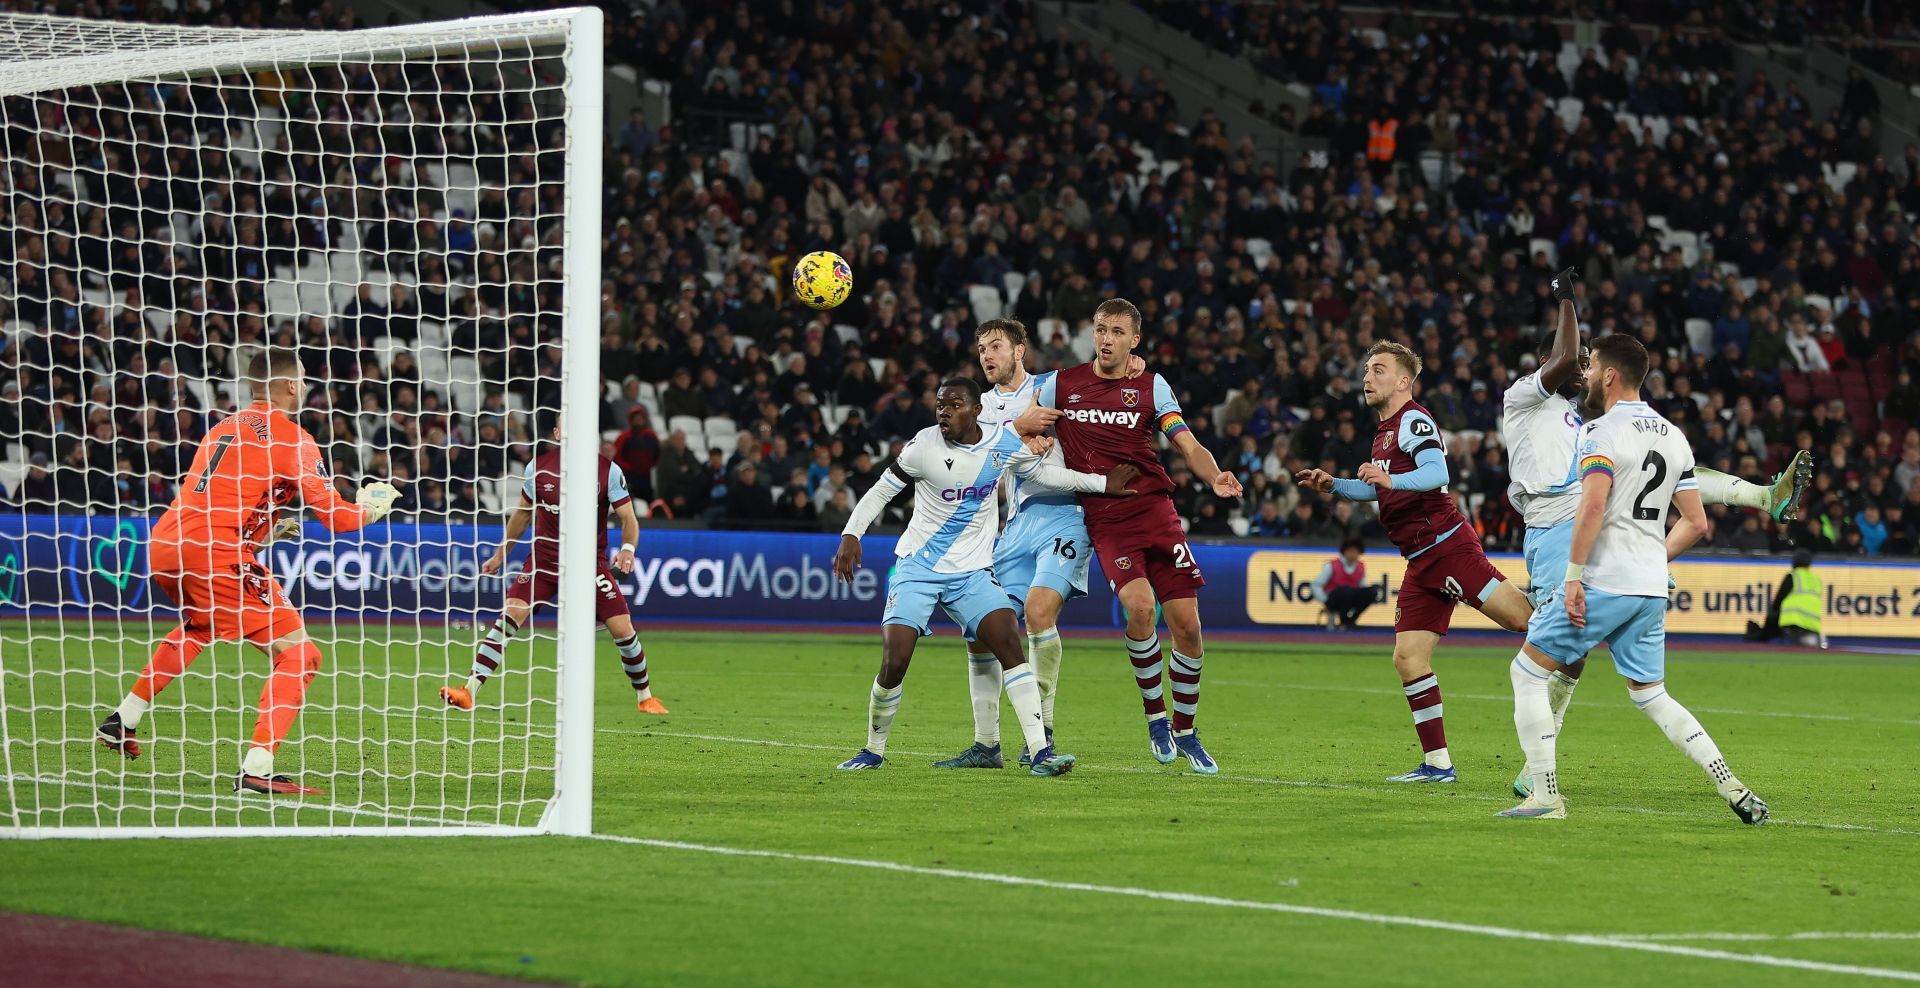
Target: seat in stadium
{"type": "Point", "coordinates": [1013, 282]}
{"type": "Point", "coordinates": [847, 334]}
{"type": "Point", "coordinates": [1796, 389]}
{"type": "Point", "coordinates": [1839, 173]}
{"type": "Point", "coordinates": [689, 424]}
{"type": "Point", "coordinates": [985, 301]}
{"type": "Point", "coordinates": [648, 391]}
{"type": "Point", "coordinates": [1700, 336]}
{"type": "Point", "coordinates": [1538, 244]}
{"type": "Point", "coordinates": [1083, 345]}
{"type": "Point", "coordinates": [1818, 302]}
{"type": "Point", "coordinates": [1570, 110]}
{"type": "Point", "coordinates": [1047, 327]}
{"type": "Point", "coordinates": [1826, 387]}
{"type": "Point", "coordinates": [715, 426]}
{"type": "Point", "coordinates": [1259, 249]}
{"type": "Point", "coordinates": [740, 345]}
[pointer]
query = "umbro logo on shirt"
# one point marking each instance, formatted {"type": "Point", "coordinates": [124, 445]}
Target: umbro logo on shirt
{"type": "Point", "coordinates": [1072, 398]}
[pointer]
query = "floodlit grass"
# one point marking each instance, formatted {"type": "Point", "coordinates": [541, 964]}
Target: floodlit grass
{"type": "Point", "coordinates": [1300, 817]}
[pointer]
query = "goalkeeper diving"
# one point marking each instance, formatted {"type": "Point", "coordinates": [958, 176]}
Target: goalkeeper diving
{"type": "Point", "coordinates": [203, 553]}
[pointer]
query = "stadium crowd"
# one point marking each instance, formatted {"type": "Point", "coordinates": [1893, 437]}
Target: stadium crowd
{"type": "Point", "coordinates": [1767, 254]}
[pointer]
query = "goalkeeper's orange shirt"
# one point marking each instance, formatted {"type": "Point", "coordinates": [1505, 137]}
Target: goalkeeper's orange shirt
{"type": "Point", "coordinates": [247, 467]}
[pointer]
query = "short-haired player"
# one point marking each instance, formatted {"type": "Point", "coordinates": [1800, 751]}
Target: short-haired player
{"type": "Point", "coordinates": [945, 555]}
{"type": "Point", "coordinates": [1634, 467]}
{"type": "Point", "coordinates": [1105, 413]}
{"type": "Point", "coordinates": [1446, 563]}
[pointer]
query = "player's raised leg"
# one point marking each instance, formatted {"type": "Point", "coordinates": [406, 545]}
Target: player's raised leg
{"type": "Point", "coordinates": [984, 682]}
{"type": "Point", "coordinates": [1143, 651]}
{"type": "Point", "coordinates": [1779, 499]}
{"type": "Point", "coordinates": [296, 660]}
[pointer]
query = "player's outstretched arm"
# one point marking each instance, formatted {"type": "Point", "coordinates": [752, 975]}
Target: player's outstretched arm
{"type": "Point", "coordinates": [866, 511]}
{"type": "Point", "coordinates": [1345, 489]}
{"type": "Point", "coordinates": [517, 524]}
{"type": "Point", "coordinates": [1564, 361]}
{"type": "Point", "coordinates": [316, 488]}
{"type": "Point", "coordinates": [1052, 473]}
{"type": "Point", "coordinates": [1200, 460]}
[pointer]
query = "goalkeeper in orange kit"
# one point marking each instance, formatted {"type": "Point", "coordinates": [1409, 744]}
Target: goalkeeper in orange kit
{"type": "Point", "coordinates": [202, 553]}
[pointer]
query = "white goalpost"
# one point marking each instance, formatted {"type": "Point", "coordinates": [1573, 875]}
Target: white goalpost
{"type": "Point", "coordinates": [415, 212]}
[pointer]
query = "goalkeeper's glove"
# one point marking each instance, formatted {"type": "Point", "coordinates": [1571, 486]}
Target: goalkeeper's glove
{"type": "Point", "coordinates": [376, 499]}
{"type": "Point", "coordinates": [285, 528]}
{"type": "Point", "coordinates": [1563, 285]}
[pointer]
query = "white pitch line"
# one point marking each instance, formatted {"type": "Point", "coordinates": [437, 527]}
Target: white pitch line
{"type": "Point", "coordinates": [1190, 898]}
{"type": "Point", "coordinates": [1258, 780]}
{"type": "Point", "coordinates": [1723, 711]}
{"type": "Point", "coordinates": [1806, 935]}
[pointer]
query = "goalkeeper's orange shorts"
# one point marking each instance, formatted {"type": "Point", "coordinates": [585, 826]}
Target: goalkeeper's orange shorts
{"type": "Point", "coordinates": [243, 602]}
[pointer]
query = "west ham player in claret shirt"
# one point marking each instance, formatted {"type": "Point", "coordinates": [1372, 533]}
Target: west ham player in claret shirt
{"type": "Point", "coordinates": [1445, 561]}
{"type": "Point", "coordinates": [1105, 417]}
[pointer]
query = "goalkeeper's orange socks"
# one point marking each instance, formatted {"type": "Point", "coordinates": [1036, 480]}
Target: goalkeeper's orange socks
{"type": "Point", "coordinates": [175, 653]}
{"type": "Point", "coordinates": [280, 703]}
{"type": "Point", "coordinates": [491, 652]}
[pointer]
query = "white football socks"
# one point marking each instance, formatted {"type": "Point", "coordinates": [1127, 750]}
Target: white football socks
{"type": "Point", "coordinates": [1721, 488]}
{"type": "Point", "coordinates": [1533, 724]}
{"type": "Point", "coordinates": [882, 704]}
{"type": "Point", "coordinates": [132, 709]}
{"type": "Point", "coordinates": [1023, 691]}
{"type": "Point", "coordinates": [1559, 695]}
{"type": "Point", "coordinates": [257, 763]}
{"type": "Point", "coordinates": [983, 685]}
{"type": "Point", "coordinates": [1685, 732]}
{"type": "Point", "coordinates": [1043, 652]}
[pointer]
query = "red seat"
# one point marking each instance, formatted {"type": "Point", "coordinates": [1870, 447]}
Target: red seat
{"type": "Point", "coordinates": [1897, 428]}
{"type": "Point", "coordinates": [1798, 392]}
{"type": "Point", "coordinates": [1825, 386]}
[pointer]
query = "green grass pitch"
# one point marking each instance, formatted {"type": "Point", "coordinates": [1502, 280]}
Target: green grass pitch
{"type": "Point", "coordinates": [1315, 869]}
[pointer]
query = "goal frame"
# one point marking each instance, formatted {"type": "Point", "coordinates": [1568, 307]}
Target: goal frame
{"type": "Point", "coordinates": [569, 811]}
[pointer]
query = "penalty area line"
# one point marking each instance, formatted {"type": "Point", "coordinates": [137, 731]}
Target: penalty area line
{"type": "Point", "coordinates": [1195, 899]}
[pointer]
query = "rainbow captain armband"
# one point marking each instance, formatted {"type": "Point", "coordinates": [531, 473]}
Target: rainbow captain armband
{"type": "Point", "coordinates": [1172, 424]}
{"type": "Point", "coordinates": [1593, 463]}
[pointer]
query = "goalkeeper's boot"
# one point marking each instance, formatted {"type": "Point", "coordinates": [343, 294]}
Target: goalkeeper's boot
{"type": "Point", "coordinates": [1523, 784]}
{"type": "Point", "coordinates": [651, 705]}
{"type": "Point", "coordinates": [1788, 488]}
{"type": "Point", "coordinates": [977, 756]}
{"type": "Point", "coordinates": [1748, 807]}
{"type": "Point", "coordinates": [865, 759]}
{"type": "Point", "coordinates": [1427, 773]}
{"type": "Point", "coordinates": [1026, 757]}
{"type": "Point", "coordinates": [273, 784]}
{"type": "Point", "coordinates": [117, 736]}
{"type": "Point", "coordinates": [1047, 762]}
{"type": "Point", "coordinates": [1533, 809]}
{"type": "Point", "coordinates": [1197, 757]}
{"type": "Point", "coordinates": [457, 696]}
{"type": "Point", "coordinates": [1160, 740]}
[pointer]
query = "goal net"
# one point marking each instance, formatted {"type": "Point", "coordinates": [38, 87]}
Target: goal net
{"type": "Point", "coordinates": [413, 211]}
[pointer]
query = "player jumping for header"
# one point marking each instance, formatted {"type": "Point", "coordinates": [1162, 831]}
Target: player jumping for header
{"type": "Point", "coordinates": [955, 468]}
{"type": "Point", "coordinates": [1105, 417]}
{"type": "Point", "coordinates": [1445, 561]}
{"type": "Point", "coordinates": [540, 505]}
{"type": "Point", "coordinates": [1541, 422]}
{"type": "Point", "coordinates": [1634, 465]}
{"type": "Point", "coordinates": [204, 555]}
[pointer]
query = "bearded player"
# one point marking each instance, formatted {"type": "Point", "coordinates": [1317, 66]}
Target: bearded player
{"type": "Point", "coordinates": [203, 553]}
{"type": "Point", "coordinates": [1445, 561]}
{"type": "Point", "coordinates": [1042, 557]}
{"type": "Point", "coordinates": [1104, 417]}
{"type": "Point", "coordinates": [540, 506]}
{"type": "Point", "coordinates": [1541, 418]}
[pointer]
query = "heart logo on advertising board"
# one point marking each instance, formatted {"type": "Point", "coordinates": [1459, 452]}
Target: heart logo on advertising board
{"type": "Point", "coordinates": [121, 572]}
